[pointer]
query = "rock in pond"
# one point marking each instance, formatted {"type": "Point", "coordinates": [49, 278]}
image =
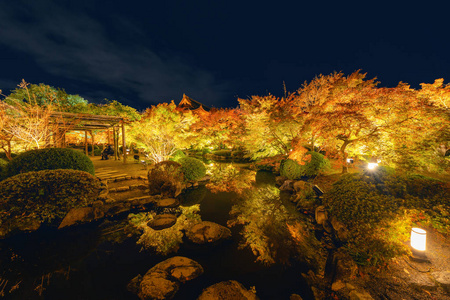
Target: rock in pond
{"type": "Point", "coordinates": [207, 232]}
{"type": "Point", "coordinates": [226, 290]}
{"type": "Point", "coordinates": [167, 202]}
{"type": "Point", "coordinates": [288, 185]}
{"type": "Point", "coordinates": [162, 221]}
{"type": "Point", "coordinates": [81, 215]}
{"type": "Point", "coordinates": [164, 279]}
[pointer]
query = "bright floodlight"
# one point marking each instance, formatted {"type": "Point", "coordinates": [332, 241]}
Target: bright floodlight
{"type": "Point", "coordinates": [418, 239]}
{"type": "Point", "coordinates": [372, 166]}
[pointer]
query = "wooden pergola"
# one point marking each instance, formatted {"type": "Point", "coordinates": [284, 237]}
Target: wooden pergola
{"type": "Point", "coordinates": [86, 122]}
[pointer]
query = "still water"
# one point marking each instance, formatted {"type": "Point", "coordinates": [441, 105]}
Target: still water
{"type": "Point", "coordinates": [81, 264]}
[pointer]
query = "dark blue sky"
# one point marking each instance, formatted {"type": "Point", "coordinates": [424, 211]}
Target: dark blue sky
{"type": "Point", "coordinates": [145, 52]}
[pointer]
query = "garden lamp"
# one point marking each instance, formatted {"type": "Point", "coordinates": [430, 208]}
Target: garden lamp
{"type": "Point", "coordinates": [418, 239]}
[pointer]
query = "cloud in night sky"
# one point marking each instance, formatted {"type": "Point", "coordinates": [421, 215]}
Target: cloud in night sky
{"type": "Point", "coordinates": [145, 52]}
{"type": "Point", "coordinates": [76, 46]}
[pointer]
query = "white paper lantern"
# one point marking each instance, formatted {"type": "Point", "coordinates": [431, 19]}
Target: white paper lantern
{"type": "Point", "coordinates": [418, 239]}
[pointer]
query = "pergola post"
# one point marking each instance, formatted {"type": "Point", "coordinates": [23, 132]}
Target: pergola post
{"type": "Point", "coordinates": [85, 143]}
{"type": "Point", "coordinates": [92, 142]}
{"type": "Point", "coordinates": [115, 143]}
{"type": "Point", "coordinates": [123, 143]}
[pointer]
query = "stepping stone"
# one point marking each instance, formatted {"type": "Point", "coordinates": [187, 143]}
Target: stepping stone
{"type": "Point", "coordinates": [168, 203]}
{"type": "Point", "coordinates": [118, 175]}
{"type": "Point", "coordinates": [122, 188]}
{"type": "Point", "coordinates": [143, 200]}
{"type": "Point", "coordinates": [162, 221]}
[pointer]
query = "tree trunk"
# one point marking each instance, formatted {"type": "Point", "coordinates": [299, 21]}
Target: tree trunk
{"type": "Point", "coordinates": [344, 156]}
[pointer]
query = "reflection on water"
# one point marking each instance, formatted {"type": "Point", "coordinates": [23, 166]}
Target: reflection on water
{"type": "Point", "coordinates": [96, 264]}
{"type": "Point", "coordinates": [264, 218]}
{"type": "Point", "coordinates": [229, 177]}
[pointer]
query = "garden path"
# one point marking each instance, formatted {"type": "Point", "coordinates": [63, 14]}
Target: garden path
{"type": "Point", "coordinates": [111, 169]}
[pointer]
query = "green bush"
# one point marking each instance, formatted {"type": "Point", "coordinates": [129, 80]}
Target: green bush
{"type": "Point", "coordinates": [318, 163]}
{"type": "Point", "coordinates": [178, 155]}
{"type": "Point", "coordinates": [3, 155]}
{"type": "Point", "coordinates": [44, 195]}
{"type": "Point", "coordinates": [3, 165]}
{"type": "Point", "coordinates": [290, 169]}
{"type": "Point", "coordinates": [192, 168]}
{"type": "Point", "coordinates": [50, 159]}
{"type": "Point", "coordinates": [97, 152]}
{"type": "Point", "coordinates": [293, 170]}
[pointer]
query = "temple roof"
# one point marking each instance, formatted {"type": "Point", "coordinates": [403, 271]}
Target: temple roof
{"type": "Point", "coordinates": [191, 104]}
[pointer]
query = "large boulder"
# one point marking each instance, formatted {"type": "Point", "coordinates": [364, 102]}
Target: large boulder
{"type": "Point", "coordinates": [207, 232]}
{"type": "Point", "coordinates": [226, 290]}
{"type": "Point", "coordinates": [164, 279]}
{"type": "Point", "coordinates": [166, 179]}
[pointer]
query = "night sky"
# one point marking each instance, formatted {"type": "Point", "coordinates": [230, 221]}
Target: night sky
{"type": "Point", "coordinates": [145, 52]}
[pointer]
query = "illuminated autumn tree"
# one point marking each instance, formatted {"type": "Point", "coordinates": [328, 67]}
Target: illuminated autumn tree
{"type": "Point", "coordinates": [5, 137]}
{"type": "Point", "coordinates": [162, 130]}
{"type": "Point", "coordinates": [28, 121]}
{"type": "Point", "coordinates": [269, 128]}
{"type": "Point", "coordinates": [218, 128]}
{"type": "Point", "coordinates": [333, 109]}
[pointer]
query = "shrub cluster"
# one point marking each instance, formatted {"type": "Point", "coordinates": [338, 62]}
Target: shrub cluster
{"type": "Point", "coordinates": [192, 168]}
{"type": "Point", "coordinates": [45, 195]}
{"type": "Point", "coordinates": [50, 159]}
{"type": "Point", "coordinates": [380, 207]}
{"type": "Point", "coordinates": [316, 164]}
{"type": "Point", "coordinates": [3, 166]}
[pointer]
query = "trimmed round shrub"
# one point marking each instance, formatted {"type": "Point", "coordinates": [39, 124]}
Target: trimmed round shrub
{"type": "Point", "coordinates": [44, 196]}
{"type": "Point", "coordinates": [290, 169]}
{"type": "Point", "coordinates": [50, 159]}
{"type": "Point", "coordinates": [178, 155]}
{"type": "Point", "coordinates": [192, 168]}
{"type": "Point", "coordinates": [315, 165]}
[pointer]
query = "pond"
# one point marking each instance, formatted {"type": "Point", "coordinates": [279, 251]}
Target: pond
{"type": "Point", "coordinates": [86, 263]}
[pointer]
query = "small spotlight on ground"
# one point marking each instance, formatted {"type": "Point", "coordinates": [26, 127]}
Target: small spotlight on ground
{"type": "Point", "coordinates": [372, 166]}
